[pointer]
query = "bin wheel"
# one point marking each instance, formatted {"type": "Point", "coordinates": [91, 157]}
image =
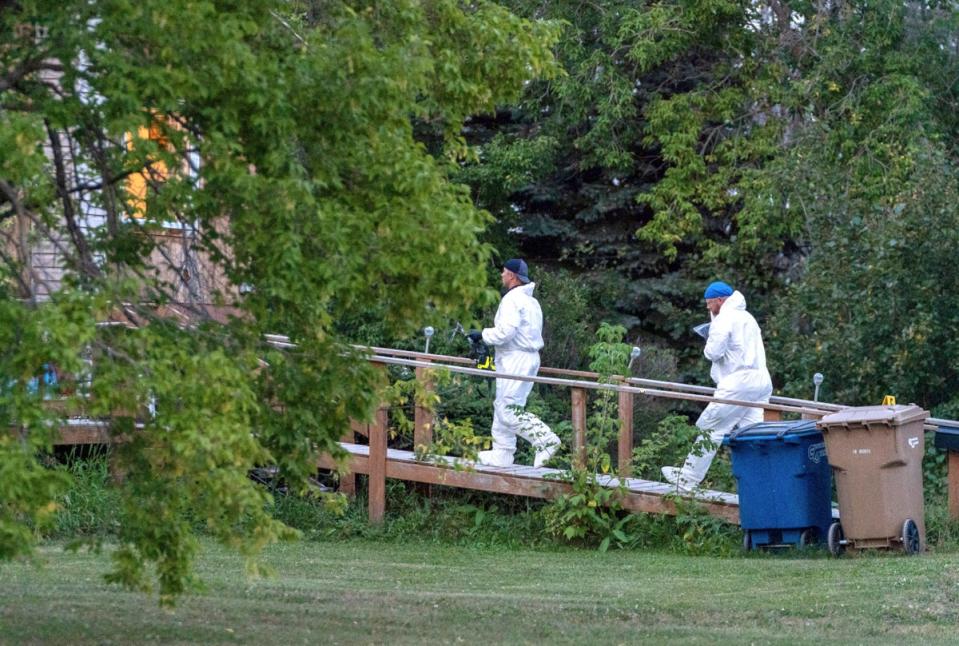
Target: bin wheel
{"type": "Point", "coordinates": [834, 540]}
{"type": "Point", "coordinates": [910, 537]}
{"type": "Point", "coordinates": [808, 536]}
{"type": "Point", "coordinates": [747, 541]}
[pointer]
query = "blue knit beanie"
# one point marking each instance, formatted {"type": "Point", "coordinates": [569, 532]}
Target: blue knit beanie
{"type": "Point", "coordinates": [718, 289]}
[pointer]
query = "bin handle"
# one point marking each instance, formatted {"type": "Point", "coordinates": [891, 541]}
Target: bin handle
{"type": "Point", "coordinates": [736, 432]}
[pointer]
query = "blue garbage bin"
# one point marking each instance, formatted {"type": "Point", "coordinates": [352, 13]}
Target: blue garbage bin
{"type": "Point", "coordinates": [784, 483]}
{"type": "Point", "coordinates": [947, 437]}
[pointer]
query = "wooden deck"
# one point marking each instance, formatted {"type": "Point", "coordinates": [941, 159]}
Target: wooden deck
{"type": "Point", "coordinates": [81, 430]}
{"type": "Point", "coordinates": [638, 495]}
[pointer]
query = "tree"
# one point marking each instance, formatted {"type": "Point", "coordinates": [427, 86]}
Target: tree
{"type": "Point", "coordinates": [627, 166]}
{"type": "Point", "coordinates": [696, 139]}
{"type": "Point", "coordinates": [205, 173]}
{"type": "Point", "coordinates": [871, 173]}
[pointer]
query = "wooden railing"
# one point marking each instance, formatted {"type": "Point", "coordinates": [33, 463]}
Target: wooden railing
{"type": "Point", "coordinates": [579, 383]}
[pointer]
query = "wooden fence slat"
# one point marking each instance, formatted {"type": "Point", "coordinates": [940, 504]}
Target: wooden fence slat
{"type": "Point", "coordinates": [423, 420]}
{"type": "Point", "coordinates": [625, 434]}
{"type": "Point", "coordinates": [377, 478]}
{"type": "Point", "coordinates": [348, 480]}
{"type": "Point", "coordinates": [579, 426]}
{"type": "Point", "coordinates": [362, 428]}
{"type": "Point", "coordinates": [423, 416]}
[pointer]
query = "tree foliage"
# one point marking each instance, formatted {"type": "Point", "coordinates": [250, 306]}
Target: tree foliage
{"type": "Point", "coordinates": [696, 139]}
{"type": "Point", "coordinates": [281, 159]}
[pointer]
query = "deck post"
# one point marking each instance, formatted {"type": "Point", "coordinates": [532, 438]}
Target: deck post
{"type": "Point", "coordinates": [376, 483]}
{"type": "Point", "coordinates": [423, 420]}
{"type": "Point", "coordinates": [377, 479]}
{"type": "Point", "coordinates": [348, 480]}
{"type": "Point", "coordinates": [625, 434]}
{"type": "Point", "coordinates": [422, 415]}
{"type": "Point", "coordinates": [579, 426]}
{"type": "Point", "coordinates": [772, 415]}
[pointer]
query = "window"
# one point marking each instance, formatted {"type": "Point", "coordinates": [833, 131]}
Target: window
{"type": "Point", "coordinates": [142, 187]}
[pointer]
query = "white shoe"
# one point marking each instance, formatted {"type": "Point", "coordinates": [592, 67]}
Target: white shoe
{"type": "Point", "coordinates": [670, 474]}
{"type": "Point", "coordinates": [544, 455]}
{"type": "Point", "coordinates": [674, 476]}
{"type": "Point", "coordinates": [495, 458]}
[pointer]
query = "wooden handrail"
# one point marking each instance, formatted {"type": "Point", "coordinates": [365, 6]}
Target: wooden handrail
{"type": "Point", "coordinates": [585, 374]}
{"type": "Point", "coordinates": [776, 402]}
{"type": "Point", "coordinates": [810, 408]}
{"type": "Point", "coordinates": [637, 386]}
{"type": "Point", "coordinates": [590, 385]}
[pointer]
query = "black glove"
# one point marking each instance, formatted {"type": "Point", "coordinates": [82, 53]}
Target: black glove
{"type": "Point", "coordinates": [475, 336]}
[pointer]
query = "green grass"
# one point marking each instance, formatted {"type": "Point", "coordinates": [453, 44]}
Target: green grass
{"type": "Point", "coordinates": [373, 592]}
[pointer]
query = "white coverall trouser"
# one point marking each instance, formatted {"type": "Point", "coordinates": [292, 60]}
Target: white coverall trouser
{"type": "Point", "coordinates": [509, 420]}
{"type": "Point", "coordinates": [719, 419]}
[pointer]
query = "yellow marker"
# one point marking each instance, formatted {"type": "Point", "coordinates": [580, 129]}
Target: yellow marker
{"type": "Point", "coordinates": [889, 400]}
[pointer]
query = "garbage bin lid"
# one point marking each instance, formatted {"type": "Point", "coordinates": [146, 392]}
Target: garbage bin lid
{"type": "Point", "coordinates": [771, 431]}
{"type": "Point", "coordinates": [869, 416]}
{"type": "Point", "coordinates": [947, 437]}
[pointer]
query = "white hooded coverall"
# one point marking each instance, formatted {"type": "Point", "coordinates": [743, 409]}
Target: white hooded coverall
{"type": "Point", "coordinates": [517, 336]}
{"type": "Point", "coordinates": [735, 346]}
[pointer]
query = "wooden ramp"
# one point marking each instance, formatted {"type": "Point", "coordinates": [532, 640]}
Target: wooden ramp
{"type": "Point", "coordinates": [379, 462]}
{"type": "Point", "coordinates": [638, 495]}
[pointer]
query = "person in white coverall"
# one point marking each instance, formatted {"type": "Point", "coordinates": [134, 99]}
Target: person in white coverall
{"type": "Point", "coordinates": [735, 346]}
{"type": "Point", "coordinates": [517, 336]}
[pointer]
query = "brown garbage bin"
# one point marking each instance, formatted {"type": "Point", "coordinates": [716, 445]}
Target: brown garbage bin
{"type": "Point", "coordinates": [876, 456]}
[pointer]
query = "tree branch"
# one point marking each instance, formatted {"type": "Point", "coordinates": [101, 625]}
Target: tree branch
{"type": "Point", "coordinates": [84, 256]}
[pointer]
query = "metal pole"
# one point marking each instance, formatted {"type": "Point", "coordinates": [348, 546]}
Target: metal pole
{"type": "Point", "coordinates": [633, 355]}
{"type": "Point", "coordinates": [428, 333]}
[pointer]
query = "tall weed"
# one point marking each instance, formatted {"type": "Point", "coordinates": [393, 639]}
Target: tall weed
{"type": "Point", "coordinates": [90, 506]}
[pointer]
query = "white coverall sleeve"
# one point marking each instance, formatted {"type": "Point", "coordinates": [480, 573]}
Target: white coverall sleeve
{"type": "Point", "coordinates": [508, 320]}
{"type": "Point", "coordinates": [718, 341]}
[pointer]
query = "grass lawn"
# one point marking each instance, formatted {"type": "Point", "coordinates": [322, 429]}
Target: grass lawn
{"type": "Point", "coordinates": [370, 592]}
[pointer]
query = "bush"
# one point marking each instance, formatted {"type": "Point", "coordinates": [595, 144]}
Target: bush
{"type": "Point", "coordinates": [878, 301]}
{"type": "Point", "coordinates": [589, 515]}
